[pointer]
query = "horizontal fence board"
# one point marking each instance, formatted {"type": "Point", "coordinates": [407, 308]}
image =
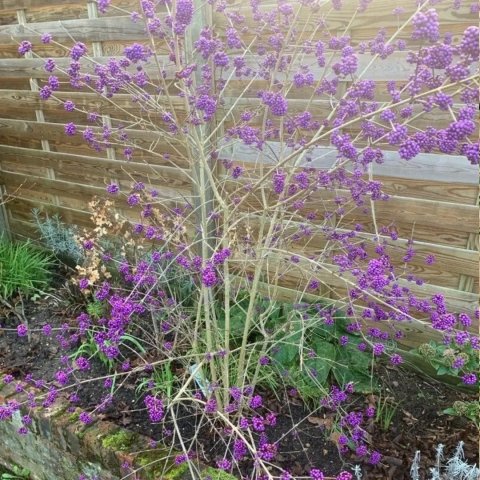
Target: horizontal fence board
{"type": "Point", "coordinates": [21, 209]}
{"type": "Point", "coordinates": [394, 69]}
{"type": "Point", "coordinates": [406, 210]}
{"type": "Point", "coordinates": [23, 230]}
{"type": "Point", "coordinates": [43, 51]}
{"type": "Point", "coordinates": [55, 132]}
{"type": "Point", "coordinates": [50, 13]}
{"type": "Point", "coordinates": [425, 166]}
{"type": "Point", "coordinates": [125, 111]}
{"type": "Point", "coordinates": [444, 236]}
{"type": "Point", "coordinates": [450, 261]}
{"type": "Point", "coordinates": [297, 279]}
{"type": "Point", "coordinates": [27, 4]}
{"type": "Point", "coordinates": [112, 167]}
{"type": "Point", "coordinates": [377, 15]}
{"type": "Point", "coordinates": [452, 192]}
{"type": "Point", "coordinates": [71, 189]}
{"type": "Point", "coordinates": [81, 30]}
{"type": "Point", "coordinates": [429, 213]}
{"type": "Point", "coordinates": [25, 99]}
{"type": "Point", "coordinates": [33, 67]}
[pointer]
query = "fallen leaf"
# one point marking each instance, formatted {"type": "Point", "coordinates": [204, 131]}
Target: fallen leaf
{"type": "Point", "coordinates": [334, 436]}
{"type": "Point", "coordinates": [326, 422]}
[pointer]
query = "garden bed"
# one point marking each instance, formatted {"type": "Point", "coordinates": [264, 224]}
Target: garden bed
{"type": "Point", "coordinates": [304, 439]}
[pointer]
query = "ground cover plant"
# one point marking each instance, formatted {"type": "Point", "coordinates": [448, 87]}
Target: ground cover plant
{"type": "Point", "coordinates": [25, 270]}
{"type": "Point", "coordinates": [186, 292]}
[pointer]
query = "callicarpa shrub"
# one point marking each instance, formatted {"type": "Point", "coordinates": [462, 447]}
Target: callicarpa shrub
{"type": "Point", "coordinates": [273, 113]}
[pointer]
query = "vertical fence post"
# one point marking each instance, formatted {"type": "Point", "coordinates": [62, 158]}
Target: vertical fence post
{"type": "Point", "coordinates": [39, 115]}
{"type": "Point", "coordinates": [203, 199]}
{"type": "Point", "coordinates": [4, 227]}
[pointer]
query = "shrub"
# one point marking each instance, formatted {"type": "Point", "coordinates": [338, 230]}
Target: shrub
{"type": "Point", "coordinates": [59, 237]}
{"type": "Point", "coordinates": [198, 279]}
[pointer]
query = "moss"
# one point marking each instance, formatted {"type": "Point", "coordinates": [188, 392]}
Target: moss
{"type": "Point", "coordinates": [155, 469]}
{"type": "Point", "coordinates": [60, 412]}
{"type": "Point", "coordinates": [215, 474]}
{"type": "Point", "coordinates": [176, 472]}
{"type": "Point", "coordinates": [157, 464]}
{"type": "Point", "coordinates": [14, 471]}
{"type": "Point", "coordinates": [150, 467]}
{"type": "Point", "coordinates": [74, 417]}
{"type": "Point", "coordinates": [119, 441]}
{"type": "Point", "coordinates": [82, 430]}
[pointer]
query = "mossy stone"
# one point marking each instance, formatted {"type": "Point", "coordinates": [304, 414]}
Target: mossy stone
{"type": "Point", "coordinates": [119, 440]}
{"type": "Point", "coordinates": [211, 473]}
{"type": "Point", "coordinates": [155, 469]}
{"type": "Point", "coordinates": [74, 417]}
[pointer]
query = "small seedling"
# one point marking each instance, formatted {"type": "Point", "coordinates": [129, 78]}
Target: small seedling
{"type": "Point", "coordinates": [385, 412]}
{"type": "Point", "coordinates": [90, 349]}
{"type": "Point", "coordinates": [95, 309]}
{"type": "Point", "coordinates": [163, 379]}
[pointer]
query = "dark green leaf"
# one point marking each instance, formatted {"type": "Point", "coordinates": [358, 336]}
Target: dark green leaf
{"type": "Point", "coordinates": [286, 355]}
{"type": "Point", "coordinates": [319, 368]}
{"type": "Point", "coordinates": [363, 383]}
{"type": "Point", "coordinates": [442, 370]}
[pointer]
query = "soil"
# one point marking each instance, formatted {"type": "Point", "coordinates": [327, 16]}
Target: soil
{"type": "Point", "coordinates": [303, 438]}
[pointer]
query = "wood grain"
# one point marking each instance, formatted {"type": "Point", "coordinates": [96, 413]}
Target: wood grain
{"type": "Point", "coordinates": [82, 30]}
{"type": "Point", "coordinates": [434, 197]}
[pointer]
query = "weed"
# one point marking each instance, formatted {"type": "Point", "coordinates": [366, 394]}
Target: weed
{"type": "Point", "coordinates": [163, 380]}
{"type": "Point", "coordinates": [385, 412]}
{"type": "Point", "coordinates": [91, 349]}
{"type": "Point", "coordinates": [95, 309]}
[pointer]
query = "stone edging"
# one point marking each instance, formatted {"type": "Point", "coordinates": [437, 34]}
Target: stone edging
{"type": "Point", "coordinates": [60, 447]}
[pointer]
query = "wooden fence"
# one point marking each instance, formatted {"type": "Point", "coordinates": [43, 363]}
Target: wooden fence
{"type": "Point", "coordinates": [434, 197]}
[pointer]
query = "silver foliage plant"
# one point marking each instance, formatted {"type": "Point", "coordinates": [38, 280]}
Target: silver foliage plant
{"type": "Point", "coordinates": [455, 468]}
{"type": "Point", "coordinates": [58, 236]}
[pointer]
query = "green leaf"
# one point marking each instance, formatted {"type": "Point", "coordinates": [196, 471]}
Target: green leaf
{"type": "Point", "coordinates": [450, 411]}
{"type": "Point", "coordinates": [442, 370]}
{"type": "Point", "coordinates": [363, 383]}
{"type": "Point", "coordinates": [354, 366]}
{"type": "Point", "coordinates": [354, 358]}
{"type": "Point", "coordinates": [324, 349]}
{"type": "Point", "coordinates": [318, 369]}
{"type": "Point", "coordinates": [436, 364]}
{"type": "Point", "coordinates": [287, 354]}
{"type": "Point", "coordinates": [237, 320]}
{"type": "Point", "coordinates": [134, 341]}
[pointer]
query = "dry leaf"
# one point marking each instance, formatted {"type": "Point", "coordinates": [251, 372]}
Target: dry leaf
{"type": "Point", "coordinates": [326, 422]}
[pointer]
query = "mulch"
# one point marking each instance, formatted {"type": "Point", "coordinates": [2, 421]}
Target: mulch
{"type": "Point", "coordinates": [303, 438]}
